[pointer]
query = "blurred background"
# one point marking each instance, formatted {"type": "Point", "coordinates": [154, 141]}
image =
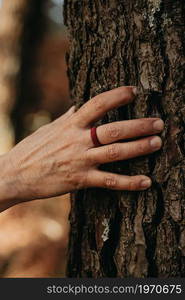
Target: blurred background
{"type": "Point", "coordinates": [33, 92]}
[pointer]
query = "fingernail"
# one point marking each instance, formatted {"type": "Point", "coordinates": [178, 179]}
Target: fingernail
{"type": "Point", "coordinates": [146, 183]}
{"type": "Point", "coordinates": [156, 142]}
{"type": "Point", "coordinates": [134, 90]}
{"type": "Point", "coordinates": [158, 125]}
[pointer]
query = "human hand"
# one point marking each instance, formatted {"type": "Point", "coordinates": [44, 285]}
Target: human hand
{"type": "Point", "coordinates": [60, 157]}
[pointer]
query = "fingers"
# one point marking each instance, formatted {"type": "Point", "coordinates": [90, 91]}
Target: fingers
{"type": "Point", "coordinates": [123, 151]}
{"type": "Point", "coordinates": [95, 108]}
{"type": "Point", "coordinates": [112, 132]}
{"type": "Point", "coordinates": [118, 182]}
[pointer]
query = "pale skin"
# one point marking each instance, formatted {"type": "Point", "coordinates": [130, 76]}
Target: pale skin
{"type": "Point", "coordinates": [60, 157]}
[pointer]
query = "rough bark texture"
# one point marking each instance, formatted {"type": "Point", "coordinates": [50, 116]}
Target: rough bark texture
{"type": "Point", "coordinates": [135, 42]}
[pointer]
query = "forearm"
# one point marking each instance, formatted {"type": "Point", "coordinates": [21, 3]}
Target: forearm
{"type": "Point", "coordinates": [9, 195]}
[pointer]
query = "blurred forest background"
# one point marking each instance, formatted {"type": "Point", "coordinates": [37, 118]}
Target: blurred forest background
{"type": "Point", "coordinates": [33, 92]}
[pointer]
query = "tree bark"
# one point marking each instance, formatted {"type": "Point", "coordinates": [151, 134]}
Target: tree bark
{"type": "Point", "coordinates": [115, 43]}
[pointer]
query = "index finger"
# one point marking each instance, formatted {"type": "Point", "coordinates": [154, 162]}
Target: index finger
{"type": "Point", "coordinates": [98, 106]}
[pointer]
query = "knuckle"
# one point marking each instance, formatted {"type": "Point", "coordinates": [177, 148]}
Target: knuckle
{"type": "Point", "coordinates": [89, 158]}
{"type": "Point", "coordinates": [142, 126]}
{"type": "Point", "coordinates": [110, 182]}
{"type": "Point", "coordinates": [81, 180]}
{"type": "Point", "coordinates": [141, 148]}
{"type": "Point", "coordinates": [113, 131]}
{"type": "Point", "coordinates": [98, 103]}
{"type": "Point", "coordinates": [85, 179]}
{"type": "Point", "coordinates": [113, 152]}
{"type": "Point", "coordinates": [75, 179]}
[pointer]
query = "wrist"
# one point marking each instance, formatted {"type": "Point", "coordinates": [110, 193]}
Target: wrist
{"type": "Point", "coordinates": [9, 195]}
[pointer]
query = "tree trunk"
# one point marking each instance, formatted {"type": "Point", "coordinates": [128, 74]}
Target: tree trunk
{"type": "Point", "coordinates": [115, 43]}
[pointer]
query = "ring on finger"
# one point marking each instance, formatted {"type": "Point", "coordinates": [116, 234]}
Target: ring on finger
{"type": "Point", "coordinates": [94, 137]}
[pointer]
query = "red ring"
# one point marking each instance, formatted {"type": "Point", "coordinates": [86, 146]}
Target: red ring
{"type": "Point", "coordinates": [94, 137]}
